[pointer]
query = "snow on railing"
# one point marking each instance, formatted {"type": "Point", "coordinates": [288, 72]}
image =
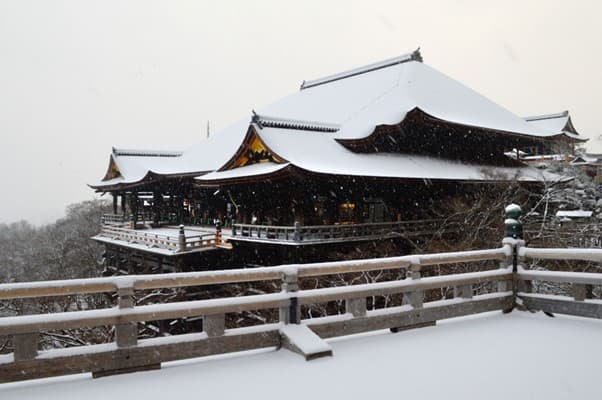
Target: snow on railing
{"type": "Point", "coordinates": [582, 301]}
{"type": "Point", "coordinates": [340, 232]}
{"type": "Point", "coordinates": [158, 240]}
{"type": "Point", "coordinates": [508, 284]}
{"type": "Point", "coordinates": [27, 363]}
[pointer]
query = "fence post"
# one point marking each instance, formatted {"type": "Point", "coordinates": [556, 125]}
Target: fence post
{"type": "Point", "coordinates": [356, 307]}
{"type": "Point", "coordinates": [214, 325]}
{"type": "Point", "coordinates": [463, 291]}
{"type": "Point", "coordinates": [579, 291]}
{"type": "Point", "coordinates": [218, 233]}
{"type": "Point", "coordinates": [126, 334]}
{"type": "Point", "coordinates": [297, 233]}
{"type": "Point", "coordinates": [415, 298]}
{"type": "Point", "coordinates": [181, 240]}
{"type": "Point", "coordinates": [513, 236]}
{"type": "Point", "coordinates": [233, 227]}
{"type": "Point", "coordinates": [26, 344]}
{"type": "Point", "coordinates": [290, 314]}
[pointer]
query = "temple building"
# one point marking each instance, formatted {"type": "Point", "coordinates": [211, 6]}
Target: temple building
{"type": "Point", "coordinates": [352, 156]}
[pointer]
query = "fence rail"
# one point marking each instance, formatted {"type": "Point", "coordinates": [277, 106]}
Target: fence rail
{"type": "Point", "coordinates": [310, 234]}
{"type": "Point", "coordinates": [157, 240]}
{"type": "Point", "coordinates": [129, 352]}
{"type": "Point", "coordinates": [581, 303]}
{"type": "Point", "coordinates": [509, 284]}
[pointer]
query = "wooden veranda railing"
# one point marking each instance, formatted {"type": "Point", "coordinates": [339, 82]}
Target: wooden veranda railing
{"type": "Point", "coordinates": [312, 234]}
{"type": "Point", "coordinates": [130, 353]}
{"type": "Point", "coordinates": [501, 281]}
{"type": "Point", "coordinates": [174, 243]}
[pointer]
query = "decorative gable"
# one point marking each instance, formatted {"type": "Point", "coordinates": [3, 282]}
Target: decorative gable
{"type": "Point", "coordinates": [113, 171]}
{"type": "Point", "coordinates": [252, 151]}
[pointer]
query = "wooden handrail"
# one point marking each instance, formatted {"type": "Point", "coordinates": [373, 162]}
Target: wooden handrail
{"type": "Point", "coordinates": [183, 279]}
{"type": "Point", "coordinates": [414, 312]}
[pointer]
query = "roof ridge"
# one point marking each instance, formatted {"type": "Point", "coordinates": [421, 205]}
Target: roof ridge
{"type": "Point", "coordinates": [547, 116]}
{"type": "Point", "coordinates": [277, 122]}
{"type": "Point", "coordinates": [413, 56]}
{"type": "Point", "coordinates": [146, 153]}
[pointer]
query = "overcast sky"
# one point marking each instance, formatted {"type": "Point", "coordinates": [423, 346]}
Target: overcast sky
{"type": "Point", "coordinates": [77, 77]}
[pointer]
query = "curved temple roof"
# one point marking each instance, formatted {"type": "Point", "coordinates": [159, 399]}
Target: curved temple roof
{"type": "Point", "coordinates": [560, 123]}
{"type": "Point", "coordinates": [345, 106]}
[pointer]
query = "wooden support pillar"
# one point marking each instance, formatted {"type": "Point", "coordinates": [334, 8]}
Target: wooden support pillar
{"type": "Point", "coordinates": [114, 203]}
{"type": "Point", "coordinates": [290, 314]}
{"type": "Point", "coordinates": [356, 307]}
{"type": "Point", "coordinates": [123, 209]}
{"type": "Point", "coordinates": [181, 239]}
{"type": "Point", "coordinates": [26, 344]}
{"type": "Point", "coordinates": [579, 292]}
{"type": "Point", "coordinates": [415, 298]}
{"type": "Point", "coordinates": [214, 325]}
{"type": "Point", "coordinates": [134, 207]}
{"type": "Point", "coordinates": [463, 291]}
{"type": "Point", "coordinates": [157, 202]}
{"type": "Point", "coordinates": [126, 334]}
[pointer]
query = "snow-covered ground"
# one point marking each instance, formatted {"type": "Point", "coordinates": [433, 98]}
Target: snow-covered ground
{"type": "Point", "coordinates": [492, 356]}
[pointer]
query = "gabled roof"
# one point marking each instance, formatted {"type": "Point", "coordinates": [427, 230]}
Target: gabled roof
{"type": "Point", "coordinates": [587, 159]}
{"type": "Point", "coordinates": [559, 123]}
{"type": "Point", "coordinates": [321, 153]}
{"type": "Point", "coordinates": [383, 93]}
{"type": "Point", "coordinates": [344, 106]}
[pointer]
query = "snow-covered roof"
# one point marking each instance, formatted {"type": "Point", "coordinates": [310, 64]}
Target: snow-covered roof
{"type": "Point", "coordinates": [319, 152]}
{"type": "Point", "coordinates": [361, 99]}
{"type": "Point", "coordinates": [585, 159]}
{"type": "Point", "coordinates": [574, 214]}
{"type": "Point", "coordinates": [347, 105]}
{"type": "Point", "coordinates": [560, 123]}
{"type": "Point", "coordinates": [519, 355]}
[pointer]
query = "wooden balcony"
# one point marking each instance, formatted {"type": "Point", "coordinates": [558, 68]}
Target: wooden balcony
{"type": "Point", "coordinates": [167, 241]}
{"type": "Point", "coordinates": [319, 234]}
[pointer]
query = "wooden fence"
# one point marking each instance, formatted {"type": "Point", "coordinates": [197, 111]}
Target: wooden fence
{"type": "Point", "coordinates": [313, 234]}
{"type": "Point", "coordinates": [129, 353]}
{"type": "Point", "coordinates": [509, 285]}
{"type": "Point", "coordinates": [175, 243]}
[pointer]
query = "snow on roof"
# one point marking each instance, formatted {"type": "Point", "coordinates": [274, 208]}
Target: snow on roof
{"type": "Point", "coordinates": [574, 214]}
{"type": "Point", "coordinates": [146, 153]}
{"type": "Point", "coordinates": [254, 170]}
{"type": "Point", "coordinates": [319, 152]}
{"type": "Point", "coordinates": [360, 101]}
{"type": "Point", "coordinates": [559, 123]}
{"type": "Point", "coordinates": [587, 159]}
{"type": "Point", "coordinates": [518, 355]}
{"type": "Point", "coordinates": [347, 106]}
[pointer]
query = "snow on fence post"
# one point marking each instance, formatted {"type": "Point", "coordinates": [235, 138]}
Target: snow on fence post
{"type": "Point", "coordinates": [513, 236]}
{"type": "Point", "coordinates": [26, 344]}
{"type": "Point", "coordinates": [356, 307]}
{"type": "Point", "coordinates": [297, 233]}
{"type": "Point", "coordinates": [181, 239]}
{"type": "Point", "coordinates": [463, 291]}
{"type": "Point", "coordinates": [214, 325]}
{"type": "Point", "coordinates": [415, 298]}
{"type": "Point", "coordinates": [579, 291]}
{"type": "Point", "coordinates": [126, 334]}
{"type": "Point", "coordinates": [290, 314]}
